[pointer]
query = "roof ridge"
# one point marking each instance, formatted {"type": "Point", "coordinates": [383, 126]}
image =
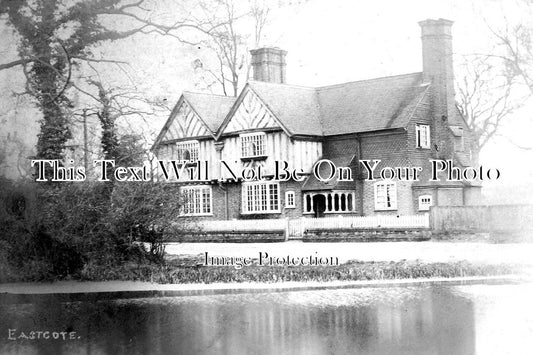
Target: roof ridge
{"type": "Point", "coordinates": [280, 84]}
{"type": "Point", "coordinates": [366, 80]}
{"type": "Point", "coordinates": [317, 88]}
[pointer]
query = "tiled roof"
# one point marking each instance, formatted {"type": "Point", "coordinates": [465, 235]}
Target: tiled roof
{"type": "Point", "coordinates": [370, 105]}
{"type": "Point", "coordinates": [211, 108]}
{"type": "Point", "coordinates": [297, 107]}
{"type": "Point", "coordinates": [358, 106]}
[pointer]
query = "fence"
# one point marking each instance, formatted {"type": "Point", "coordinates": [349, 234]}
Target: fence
{"type": "Point", "coordinates": [482, 218]}
{"type": "Point", "coordinates": [294, 228]}
{"type": "Point", "coordinates": [298, 226]}
{"type": "Point", "coordinates": [243, 225]}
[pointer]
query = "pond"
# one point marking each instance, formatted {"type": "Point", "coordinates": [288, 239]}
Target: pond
{"type": "Point", "coordinates": [427, 319]}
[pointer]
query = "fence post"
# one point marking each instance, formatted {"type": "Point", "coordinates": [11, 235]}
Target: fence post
{"type": "Point", "coordinates": [287, 228]}
{"type": "Point", "coordinates": [432, 217]}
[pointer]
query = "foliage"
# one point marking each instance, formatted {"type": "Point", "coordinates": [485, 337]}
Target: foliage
{"type": "Point", "coordinates": [56, 36]}
{"type": "Point", "coordinates": [146, 211]}
{"type": "Point", "coordinates": [46, 53]}
{"type": "Point", "coordinates": [51, 233]}
{"type": "Point", "coordinates": [130, 151]}
{"type": "Point", "coordinates": [30, 251]}
{"type": "Point", "coordinates": [188, 271]}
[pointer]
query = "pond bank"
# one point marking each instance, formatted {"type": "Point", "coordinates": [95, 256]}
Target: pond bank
{"type": "Point", "coordinates": [99, 290]}
{"type": "Point", "coordinates": [181, 276]}
{"type": "Point", "coordinates": [430, 251]}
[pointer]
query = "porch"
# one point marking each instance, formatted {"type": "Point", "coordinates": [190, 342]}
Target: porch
{"type": "Point", "coordinates": [320, 203]}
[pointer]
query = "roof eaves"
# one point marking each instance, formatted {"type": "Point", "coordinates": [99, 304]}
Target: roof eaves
{"type": "Point", "coordinates": [232, 110]}
{"type": "Point", "coordinates": [198, 115]}
{"type": "Point", "coordinates": [170, 119]}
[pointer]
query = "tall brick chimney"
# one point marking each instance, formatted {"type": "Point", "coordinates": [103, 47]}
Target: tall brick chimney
{"type": "Point", "coordinates": [438, 62]}
{"type": "Point", "coordinates": [269, 65]}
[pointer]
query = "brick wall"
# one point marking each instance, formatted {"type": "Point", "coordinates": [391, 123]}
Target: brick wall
{"type": "Point", "coordinates": [377, 235]}
{"type": "Point", "coordinates": [234, 196]}
{"type": "Point", "coordinates": [392, 149]}
{"type": "Point", "coordinates": [405, 201]}
{"type": "Point", "coordinates": [389, 147]}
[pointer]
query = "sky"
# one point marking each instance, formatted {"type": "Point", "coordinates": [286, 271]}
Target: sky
{"type": "Point", "coordinates": [328, 42]}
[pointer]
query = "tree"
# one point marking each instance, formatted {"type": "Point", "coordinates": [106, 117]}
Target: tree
{"type": "Point", "coordinates": [55, 37]}
{"type": "Point", "coordinates": [116, 108]}
{"type": "Point", "coordinates": [516, 42]}
{"type": "Point", "coordinates": [230, 43]}
{"type": "Point", "coordinates": [487, 96]}
{"type": "Point", "coordinates": [498, 83]}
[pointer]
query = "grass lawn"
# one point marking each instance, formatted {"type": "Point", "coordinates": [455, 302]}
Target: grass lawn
{"type": "Point", "coordinates": [187, 270]}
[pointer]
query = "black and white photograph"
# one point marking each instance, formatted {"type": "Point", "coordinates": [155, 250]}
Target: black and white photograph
{"type": "Point", "coordinates": [266, 177]}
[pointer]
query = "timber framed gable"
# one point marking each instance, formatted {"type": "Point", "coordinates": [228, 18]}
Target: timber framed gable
{"type": "Point", "coordinates": [250, 113]}
{"type": "Point", "coordinates": [184, 123]}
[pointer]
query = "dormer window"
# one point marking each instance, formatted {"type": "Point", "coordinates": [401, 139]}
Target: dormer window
{"type": "Point", "coordinates": [253, 145]}
{"type": "Point", "coordinates": [187, 150]}
{"type": "Point", "coordinates": [422, 136]}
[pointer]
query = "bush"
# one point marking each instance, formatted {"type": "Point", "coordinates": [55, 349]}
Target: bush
{"type": "Point", "coordinates": [146, 212]}
{"type": "Point", "coordinates": [52, 232]}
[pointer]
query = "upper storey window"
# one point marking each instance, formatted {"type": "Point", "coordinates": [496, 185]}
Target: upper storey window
{"type": "Point", "coordinates": [187, 150]}
{"type": "Point", "coordinates": [253, 145]}
{"type": "Point", "coordinates": [422, 136]}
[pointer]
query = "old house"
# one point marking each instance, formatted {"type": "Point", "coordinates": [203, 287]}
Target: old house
{"type": "Point", "coordinates": [404, 121]}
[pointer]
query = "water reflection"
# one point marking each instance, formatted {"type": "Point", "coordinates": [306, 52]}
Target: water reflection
{"type": "Point", "coordinates": [402, 320]}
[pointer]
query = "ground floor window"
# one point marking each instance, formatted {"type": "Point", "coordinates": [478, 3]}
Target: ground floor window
{"type": "Point", "coordinates": [260, 197]}
{"type": "Point", "coordinates": [424, 202]}
{"type": "Point", "coordinates": [385, 195]}
{"type": "Point", "coordinates": [196, 200]}
{"type": "Point", "coordinates": [290, 200]}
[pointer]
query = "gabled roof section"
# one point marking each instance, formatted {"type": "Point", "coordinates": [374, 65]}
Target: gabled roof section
{"type": "Point", "coordinates": [297, 107]}
{"type": "Point", "coordinates": [248, 113]}
{"type": "Point", "coordinates": [212, 109]}
{"type": "Point", "coordinates": [195, 115]}
{"type": "Point", "coordinates": [370, 105]}
{"type": "Point", "coordinates": [359, 106]}
{"type": "Point", "coordinates": [354, 107]}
